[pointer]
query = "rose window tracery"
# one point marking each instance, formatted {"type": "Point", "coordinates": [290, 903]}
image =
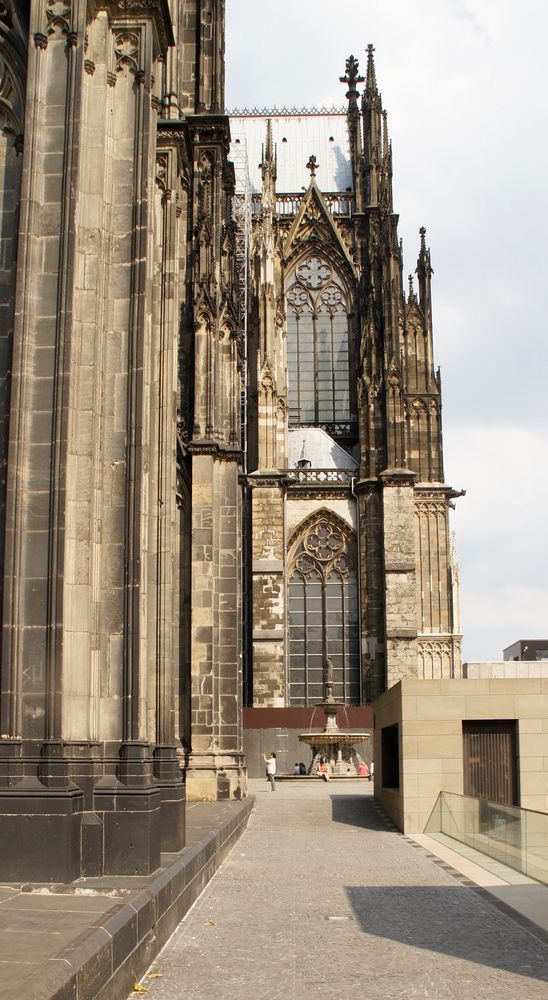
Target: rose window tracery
{"type": "Point", "coordinates": [298, 298]}
{"type": "Point", "coordinates": [324, 542]}
{"type": "Point", "coordinates": [313, 272]}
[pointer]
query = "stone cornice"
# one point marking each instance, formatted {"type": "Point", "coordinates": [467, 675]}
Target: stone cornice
{"type": "Point", "coordinates": [210, 129]}
{"type": "Point", "coordinates": [398, 477]}
{"type": "Point", "coordinates": [125, 10]}
{"type": "Point", "coordinates": [436, 492]}
{"type": "Point", "coordinates": [175, 133]}
{"type": "Point", "coordinates": [220, 451]}
{"type": "Point", "coordinates": [272, 478]}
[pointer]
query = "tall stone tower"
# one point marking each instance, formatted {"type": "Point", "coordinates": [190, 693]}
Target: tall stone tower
{"type": "Point", "coordinates": [350, 555]}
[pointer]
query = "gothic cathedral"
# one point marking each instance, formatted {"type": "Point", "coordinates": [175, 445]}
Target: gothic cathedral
{"type": "Point", "coordinates": [220, 428]}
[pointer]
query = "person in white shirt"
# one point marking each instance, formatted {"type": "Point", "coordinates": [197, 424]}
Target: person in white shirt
{"type": "Point", "coordinates": [271, 769]}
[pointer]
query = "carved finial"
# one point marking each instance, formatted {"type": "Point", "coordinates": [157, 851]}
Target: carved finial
{"type": "Point", "coordinates": [424, 266]}
{"type": "Point", "coordinates": [269, 142]}
{"type": "Point", "coordinates": [352, 78]}
{"type": "Point", "coordinates": [312, 165]}
{"type": "Point", "coordinates": [371, 79]}
{"type": "Point", "coordinates": [411, 296]}
{"type": "Point", "coordinates": [385, 143]}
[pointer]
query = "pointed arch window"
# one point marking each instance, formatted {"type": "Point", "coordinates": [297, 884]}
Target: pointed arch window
{"type": "Point", "coordinates": [317, 344]}
{"type": "Point", "coordinates": [323, 615]}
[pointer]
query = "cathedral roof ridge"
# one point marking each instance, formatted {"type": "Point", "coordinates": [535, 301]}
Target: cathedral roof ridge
{"type": "Point", "coordinates": [285, 112]}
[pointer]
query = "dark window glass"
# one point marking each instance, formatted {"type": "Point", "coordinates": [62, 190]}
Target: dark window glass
{"type": "Point", "coordinates": [317, 345]}
{"type": "Point", "coordinates": [327, 625]}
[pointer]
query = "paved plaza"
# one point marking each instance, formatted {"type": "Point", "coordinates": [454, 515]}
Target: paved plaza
{"type": "Point", "coordinates": [321, 897]}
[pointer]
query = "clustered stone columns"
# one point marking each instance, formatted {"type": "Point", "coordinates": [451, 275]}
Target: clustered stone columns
{"type": "Point", "coordinates": [215, 763]}
{"type": "Point", "coordinates": [90, 781]}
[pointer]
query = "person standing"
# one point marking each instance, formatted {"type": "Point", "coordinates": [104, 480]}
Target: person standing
{"type": "Point", "coordinates": [271, 769]}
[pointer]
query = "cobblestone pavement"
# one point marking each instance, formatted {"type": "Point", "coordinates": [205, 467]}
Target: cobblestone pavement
{"type": "Point", "coordinates": [321, 898]}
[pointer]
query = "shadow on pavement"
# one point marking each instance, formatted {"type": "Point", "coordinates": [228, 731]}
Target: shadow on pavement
{"type": "Point", "coordinates": [357, 810]}
{"type": "Point", "coordinates": [450, 921]}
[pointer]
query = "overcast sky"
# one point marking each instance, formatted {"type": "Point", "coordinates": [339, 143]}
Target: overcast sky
{"type": "Point", "coordinates": [465, 84]}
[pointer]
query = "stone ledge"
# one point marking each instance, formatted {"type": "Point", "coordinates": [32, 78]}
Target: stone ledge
{"type": "Point", "coordinates": [106, 959]}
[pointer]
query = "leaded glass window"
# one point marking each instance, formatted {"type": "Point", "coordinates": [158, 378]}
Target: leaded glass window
{"type": "Point", "coordinates": [323, 615]}
{"type": "Point", "coordinates": [317, 344]}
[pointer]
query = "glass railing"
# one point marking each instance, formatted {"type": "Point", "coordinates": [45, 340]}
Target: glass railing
{"type": "Point", "coordinates": [516, 837]}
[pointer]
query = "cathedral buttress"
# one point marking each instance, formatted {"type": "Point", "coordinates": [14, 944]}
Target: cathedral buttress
{"type": "Point", "coordinates": [215, 761]}
{"type": "Point", "coordinates": [400, 432]}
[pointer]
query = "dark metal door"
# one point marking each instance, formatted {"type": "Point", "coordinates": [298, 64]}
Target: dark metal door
{"type": "Point", "coordinates": [490, 760]}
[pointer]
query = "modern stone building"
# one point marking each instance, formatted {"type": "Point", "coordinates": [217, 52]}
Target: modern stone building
{"type": "Point", "coordinates": [221, 427]}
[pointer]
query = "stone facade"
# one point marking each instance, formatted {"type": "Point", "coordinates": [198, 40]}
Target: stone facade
{"type": "Point", "coordinates": [166, 555]}
{"type": "Point", "coordinates": [120, 496]}
{"type": "Point", "coordinates": [319, 260]}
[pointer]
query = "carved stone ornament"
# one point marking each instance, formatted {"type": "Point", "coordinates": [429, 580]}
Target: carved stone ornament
{"type": "Point", "coordinates": [324, 541]}
{"type": "Point", "coordinates": [10, 117]}
{"type": "Point", "coordinates": [127, 50]}
{"type": "Point", "coordinates": [431, 508]}
{"type": "Point", "coordinates": [58, 13]}
{"type": "Point", "coordinates": [313, 272]}
{"type": "Point", "coordinates": [159, 10]}
{"type": "Point", "coordinates": [162, 171]}
{"type": "Point", "coordinates": [323, 546]}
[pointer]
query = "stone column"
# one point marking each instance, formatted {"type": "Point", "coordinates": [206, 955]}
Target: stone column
{"type": "Point", "coordinates": [400, 574]}
{"type": "Point", "coordinates": [78, 564]}
{"type": "Point", "coordinates": [372, 589]}
{"type": "Point", "coordinates": [215, 765]}
{"type": "Point", "coordinates": [268, 590]}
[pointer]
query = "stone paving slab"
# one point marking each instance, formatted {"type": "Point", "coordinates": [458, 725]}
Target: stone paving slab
{"type": "Point", "coordinates": [91, 940]}
{"type": "Point", "coordinates": [323, 898]}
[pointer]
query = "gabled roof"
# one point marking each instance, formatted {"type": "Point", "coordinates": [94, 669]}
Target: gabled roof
{"type": "Point", "coordinates": [314, 222]}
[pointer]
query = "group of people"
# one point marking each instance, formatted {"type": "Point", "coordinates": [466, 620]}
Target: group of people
{"type": "Point", "coordinates": [321, 770]}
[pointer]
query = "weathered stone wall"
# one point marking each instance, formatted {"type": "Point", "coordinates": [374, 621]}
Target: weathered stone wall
{"type": "Point", "coordinates": [268, 595]}
{"type": "Point", "coordinates": [439, 643]}
{"type": "Point", "coordinates": [400, 583]}
{"type": "Point", "coordinates": [87, 651]}
{"type": "Point", "coordinates": [371, 569]}
{"type": "Point", "coordinates": [13, 42]}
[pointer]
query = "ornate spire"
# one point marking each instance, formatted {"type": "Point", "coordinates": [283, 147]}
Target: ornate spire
{"type": "Point", "coordinates": [424, 273]}
{"type": "Point", "coordinates": [372, 134]}
{"type": "Point", "coordinates": [411, 297]}
{"type": "Point", "coordinates": [424, 266]}
{"type": "Point", "coordinates": [269, 171]}
{"type": "Point", "coordinates": [352, 78]}
{"type": "Point", "coordinates": [269, 159]}
{"type": "Point", "coordinates": [353, 118]}
{"type": "Point", "coordinates": [371, 79]}
{"type": "Point", "coordinates": [386, 171]}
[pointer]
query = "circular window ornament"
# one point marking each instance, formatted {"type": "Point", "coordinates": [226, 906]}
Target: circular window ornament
{"type": "Point", "coordinates": [324, 542]}
{"type": "Point", "coordinates": [313, 272]}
